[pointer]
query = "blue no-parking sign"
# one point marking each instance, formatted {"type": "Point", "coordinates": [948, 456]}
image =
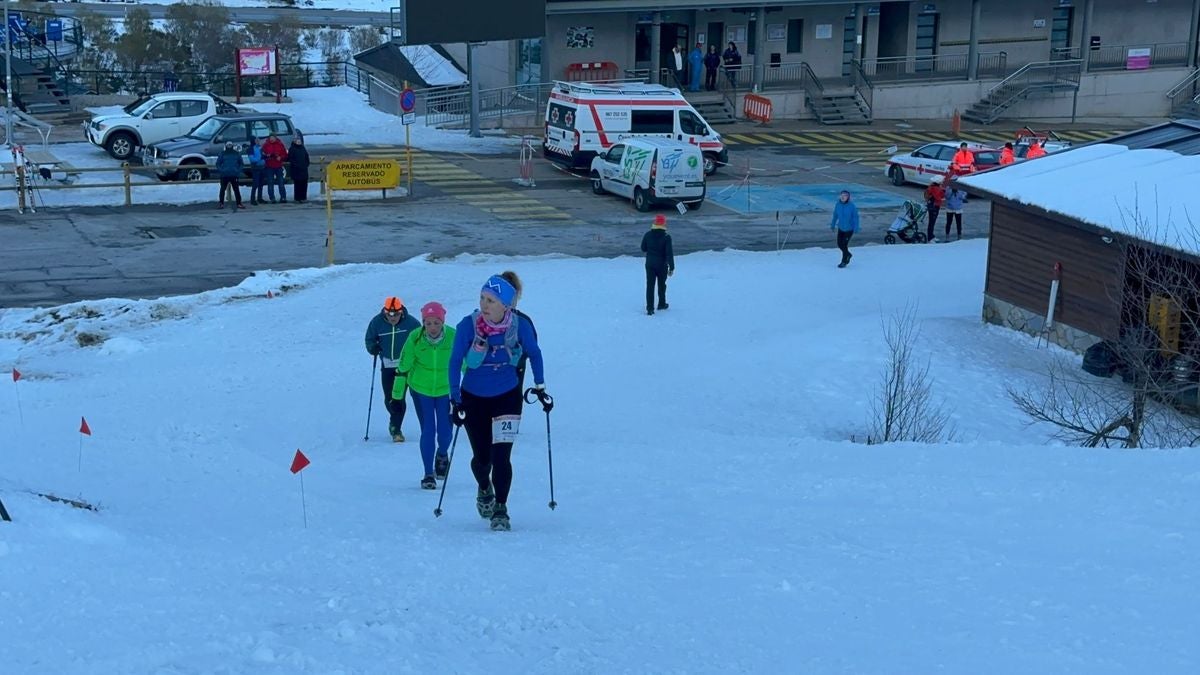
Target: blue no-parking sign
{"type": "Point", "coordinates": [408, 100]}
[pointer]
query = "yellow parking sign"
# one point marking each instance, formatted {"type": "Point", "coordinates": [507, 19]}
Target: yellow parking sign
{"type": "Point", "coordinates": [363, 174]}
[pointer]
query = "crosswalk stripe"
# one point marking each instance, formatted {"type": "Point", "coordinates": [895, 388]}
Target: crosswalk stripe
{"type": "Point", "coordinates": [532, 216]}
{"type": "Point", "coordinates": [843, 138]}
{"type": "Point", "coordinates": [797, 138]}
{"type": "Point", "coordinates": [746, 138]}
{"type": "Point", "coordinates": [728, 141]}
{"type": "Point", "coordinates": [771, 138]}
{"type": "Point", "coordinates": [486, 199]}
{"type": "Point", "coordinates": [518, 209]}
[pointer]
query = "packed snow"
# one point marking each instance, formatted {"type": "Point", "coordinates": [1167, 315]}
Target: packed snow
{"type": "Point", "coordinates": [434, 68]}
{"type": "Point", "coordinates": [1147, 193]}
{"type": "Point", "coordinates": [717, 509]}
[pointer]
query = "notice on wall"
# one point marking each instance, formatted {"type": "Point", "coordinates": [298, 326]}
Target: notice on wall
{"type": "Point", "coordinates": [735, 34]}
{"type": "Point", "coordinates": [580, 37]}
{"type": "Point", "coordinates": [824, 31]}
{"type": "Point", "coordinates": [776, 31]}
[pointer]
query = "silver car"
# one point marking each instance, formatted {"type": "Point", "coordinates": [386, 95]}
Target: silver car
{"type": "Point", "coordinates": [189, 157]}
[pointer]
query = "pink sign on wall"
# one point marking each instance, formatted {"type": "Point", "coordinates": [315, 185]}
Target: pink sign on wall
{"type": "Point", "coordinates": [1137, 59]}
{"type": "Point", "coordinates": [256, 61]}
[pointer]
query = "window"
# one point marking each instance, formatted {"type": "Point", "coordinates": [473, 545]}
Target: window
{"type": "Point", "coordinates": [166, 110]}
{"type": "Point", "coordinates": [946, 153]}
{"type": "Point", "coordinates": [795, 36]}
{"type": "Point", "coordinates": [192, 108]}
{"type": "Point", "coordinates": [260, 129]}
{"type": "Point", "coordinates": [281, 127]}
{"type": "Point", "coordinates": [652, 121]}
{"type": "Point", "coordinates": [751, 36]}
{"type": "Point", "coordinates": [690, 124]}
{"type": "Point", "coordinates": [615, 153]}
{"type": "Point", "coordinates": [926, 152]}
{"type": "Point", "coordinates": [561, 116]}
{"type": "Point", "coordinates": [234, 131]}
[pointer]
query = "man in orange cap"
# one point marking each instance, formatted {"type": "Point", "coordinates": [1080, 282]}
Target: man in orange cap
{"type": "Point", "coordinates": [386, 335]}
{"type": "Point", "coordinates": [660, 262]}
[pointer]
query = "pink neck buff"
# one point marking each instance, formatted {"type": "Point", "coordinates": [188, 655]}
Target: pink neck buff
{"type": "Point", "coordinates": [486, 327]}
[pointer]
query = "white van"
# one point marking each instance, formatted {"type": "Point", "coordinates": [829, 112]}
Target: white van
{"type": "Point", "coordinates": [584, 119]}
{"type": "Point", "coordinates": [651, 171]}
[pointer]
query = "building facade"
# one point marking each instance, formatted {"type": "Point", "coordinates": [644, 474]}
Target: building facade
{"type": "Point", "coordinates": [895, 43]}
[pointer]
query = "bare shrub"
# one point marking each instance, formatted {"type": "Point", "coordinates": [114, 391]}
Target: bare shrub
{"type": "Point", "coordinates": [903, 407]}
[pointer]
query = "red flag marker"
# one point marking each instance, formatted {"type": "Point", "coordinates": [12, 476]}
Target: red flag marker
{"type": "Point", "coordinates": [16, 374]}
{"type": "Point", "coordinates": [299, 462]}
{"type": "Point", "coordinates": [270, 294]}
{"type": "Point", "coordinates": [83, 427]}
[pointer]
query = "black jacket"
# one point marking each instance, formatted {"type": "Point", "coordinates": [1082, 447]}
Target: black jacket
{"type": "Point", "coordinates": [659, 254]}
{"type": "Point", "coordinates": [298, 158]}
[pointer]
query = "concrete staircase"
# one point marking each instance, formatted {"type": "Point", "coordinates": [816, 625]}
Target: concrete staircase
{"type": "Point", "coordinates": [840, 107]}
{"type": "Point", "coordinates": [1032, 80]}
{"type": "Point", "coordinates": [712, 106]}
{"type": "Point", "coordinates": [1187, 110]}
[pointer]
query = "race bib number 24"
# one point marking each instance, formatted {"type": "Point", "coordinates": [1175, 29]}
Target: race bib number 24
{"type": "Point", "coordinates": [505, 428]}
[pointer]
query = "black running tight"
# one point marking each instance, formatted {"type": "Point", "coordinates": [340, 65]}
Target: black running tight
{"type": "Point", "coordinates": [490, 462]}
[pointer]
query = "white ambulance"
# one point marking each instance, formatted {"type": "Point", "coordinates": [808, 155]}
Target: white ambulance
{"type": "Point", "coordinates": [584, 119]}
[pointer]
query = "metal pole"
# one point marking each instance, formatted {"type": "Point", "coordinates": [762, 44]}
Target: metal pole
{"type": "Point", "coordinates": [973, 42]}
{"type": "Point", "coordinates": [760, 48]}
{"type": "Point", "coordinates": [656, 46]}
{"type": "Point", "coordinates": [1194, 34]}
{"type": "Point", "coordinates": [1085, 40]}
{"type": "Point", "coordinates": [472, 76]}
{"type": "Point", "coordinates": [8, 84]}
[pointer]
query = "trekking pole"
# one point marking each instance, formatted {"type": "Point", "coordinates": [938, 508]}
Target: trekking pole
{"type": "Point", "coordinates": [371, 400]}
{"type": "Point", "coordinates": [547, 405]}
{"type": "Point", "coordinates": [437, 512]}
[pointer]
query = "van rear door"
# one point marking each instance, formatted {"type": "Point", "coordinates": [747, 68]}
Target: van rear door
{"type": "Point", "coordinates": [675, 168]}
{"type": "Point", "coordinates": [560, 129]}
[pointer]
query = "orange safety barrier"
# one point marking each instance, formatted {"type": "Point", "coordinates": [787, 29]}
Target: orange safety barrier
{"type": "Point", "coordinates": [592, 71]}
{"type": "Point", "coordinates": [757, 108]}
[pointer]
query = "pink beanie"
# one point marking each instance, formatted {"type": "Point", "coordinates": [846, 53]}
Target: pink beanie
{"type": "Point", "coordinates": [433, 309]}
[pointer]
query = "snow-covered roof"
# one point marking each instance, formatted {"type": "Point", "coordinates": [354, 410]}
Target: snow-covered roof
{"type": "Point", "coordinates": [1146, 193]}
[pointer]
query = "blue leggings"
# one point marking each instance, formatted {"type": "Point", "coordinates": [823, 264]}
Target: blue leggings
{"type": "Point", "coordinates": [434, 414]}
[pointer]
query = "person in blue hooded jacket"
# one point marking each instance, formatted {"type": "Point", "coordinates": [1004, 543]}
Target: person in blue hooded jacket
{"type": "Point", "coordinates": [485, 391]}
{"type": "Point", "coordinates": [845, 222]}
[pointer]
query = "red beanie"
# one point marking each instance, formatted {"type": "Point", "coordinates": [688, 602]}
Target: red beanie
{"type": "Point", "coordinates": [660, 221]}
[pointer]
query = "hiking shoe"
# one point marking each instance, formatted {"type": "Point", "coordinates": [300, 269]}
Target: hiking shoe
{"type": "Point", "coordinates": [428, 483]}
{"type": "Point", "coordinates": [500, 520]}
{"type": "Point", "coordinates": [649, 312]}
{"type": "Point", "coordinates": [441, 466]}
{"type": "Point", "coordinates": [664, 306]}
{"type": "Point", "coordinates": [485, 503]}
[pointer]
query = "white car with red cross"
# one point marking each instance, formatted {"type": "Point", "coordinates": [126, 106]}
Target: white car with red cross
{"type": "Point", "coordinates": [585, 119]}
{"type": "Point", "coordinates": [933, 159]}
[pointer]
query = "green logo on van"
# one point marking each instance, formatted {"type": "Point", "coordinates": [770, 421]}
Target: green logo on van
{"type": "Point", "coordinates": [692, 162]}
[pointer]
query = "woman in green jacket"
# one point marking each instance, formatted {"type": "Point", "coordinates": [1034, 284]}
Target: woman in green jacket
{"type": "Point", "coordinates": [424, 368]}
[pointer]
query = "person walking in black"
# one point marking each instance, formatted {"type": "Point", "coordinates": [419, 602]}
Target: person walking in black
{"type": "Point", "coordinates": [660, 262]}
{"type": "Point", "coordinates": [298, 168]}
{"type": "Point", "coordinates": [712, 63]}
{"type": "Point", "coordinates": [733, 63]}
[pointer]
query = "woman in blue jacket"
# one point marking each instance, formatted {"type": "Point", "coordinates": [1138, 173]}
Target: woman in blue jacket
{"type": "Point", "coordinates": [845, 221]}
{"type": "Point", "coordinates": [485, 391]}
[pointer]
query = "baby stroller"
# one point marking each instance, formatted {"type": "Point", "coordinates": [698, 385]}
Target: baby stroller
{"type": "Point", "coordinates": [907, 226]}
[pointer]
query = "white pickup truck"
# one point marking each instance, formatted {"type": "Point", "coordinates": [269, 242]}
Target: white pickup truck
{"type": "Point", "coordinates": [152, 119]}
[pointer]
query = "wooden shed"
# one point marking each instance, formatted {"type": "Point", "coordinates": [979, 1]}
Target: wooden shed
{"type": "Point", "coordinates": [1118, 222]}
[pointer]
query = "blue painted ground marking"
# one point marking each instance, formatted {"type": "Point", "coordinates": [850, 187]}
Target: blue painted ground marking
{"type": "Point", "coordinates": [807, 198]}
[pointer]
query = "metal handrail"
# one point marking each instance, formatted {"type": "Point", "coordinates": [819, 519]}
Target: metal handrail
{"type": "Point", "coordinates": [1183, 84]}
{"type": "Point", "coordinates": [944, 66]}
{"type": "Point", "coordinates": [1075, 66]}
{"type": "Point", "coordinates": [862, 85]}
{"type": "Point", "coordinates": [776, 74]}
{"type": "Point", "coordinates": [809, 79]}
{"type": "Point", "coordinates": [1114, 57]}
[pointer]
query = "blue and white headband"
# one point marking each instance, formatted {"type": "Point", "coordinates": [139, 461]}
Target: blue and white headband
{"type": "Point", "coordinates": [503, 291]}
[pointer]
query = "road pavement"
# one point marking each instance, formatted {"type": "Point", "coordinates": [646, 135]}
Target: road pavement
{"type": "Point", "coordinates": [460, 204]}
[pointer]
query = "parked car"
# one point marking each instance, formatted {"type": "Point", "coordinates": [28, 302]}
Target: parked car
{"type": "Point", "coordinates": [152, 119]}
{"type": "Point", "coordinates": [188, 157]}
{"type": "Point", "coordinates": [651, 171]}
{"type": "Point", "coordinates": [933, 159]}
{"type": "Point", "coordinates": [1051, 147]}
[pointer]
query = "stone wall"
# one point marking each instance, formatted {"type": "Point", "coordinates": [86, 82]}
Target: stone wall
{"type": "Point", "coordinates": [1009, 315]}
